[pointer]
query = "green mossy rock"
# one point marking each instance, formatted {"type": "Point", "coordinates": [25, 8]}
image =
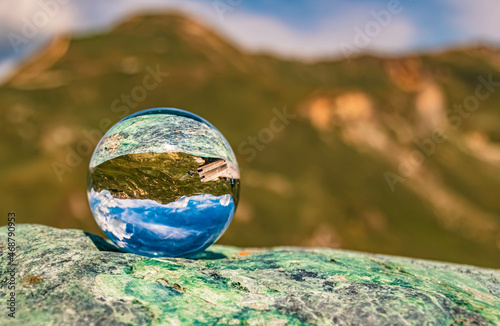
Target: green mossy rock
{"type": "Point", "coordinates": [71, 277]}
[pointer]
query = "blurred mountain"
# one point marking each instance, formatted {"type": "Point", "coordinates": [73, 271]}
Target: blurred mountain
{"type": "Point", "coordinates": [389, 155]}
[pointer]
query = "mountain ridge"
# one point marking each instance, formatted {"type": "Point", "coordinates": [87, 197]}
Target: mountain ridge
{"type": "Point", "coordinates": [137, 18]}
{"type": "Point", "coordinates": [322, 177]}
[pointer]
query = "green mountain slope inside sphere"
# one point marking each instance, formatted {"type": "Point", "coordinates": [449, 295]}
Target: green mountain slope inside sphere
{"type": "Point", "coordinates": [163, 177]}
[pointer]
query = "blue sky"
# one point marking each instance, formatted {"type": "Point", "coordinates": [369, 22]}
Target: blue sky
{"type": "Point", "coordinates": [437, 23]}
{"type": "Point", "coordinates": [304, 29]}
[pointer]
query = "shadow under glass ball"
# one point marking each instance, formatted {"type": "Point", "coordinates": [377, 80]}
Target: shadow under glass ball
{"type": "Point", "coordinates": [163, 182]}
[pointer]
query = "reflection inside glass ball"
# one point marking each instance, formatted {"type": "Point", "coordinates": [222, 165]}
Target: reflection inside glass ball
{"type": "Point", "coordinates": [163, 182]}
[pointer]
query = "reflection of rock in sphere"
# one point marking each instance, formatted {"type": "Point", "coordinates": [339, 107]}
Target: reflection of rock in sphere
{"type": "Point", "coordinates": [163, 182]}
{"type": "Point", "coordinates": [217, 168]}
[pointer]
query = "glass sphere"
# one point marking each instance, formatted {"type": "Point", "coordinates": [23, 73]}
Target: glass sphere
{"type": "Point", "coordinates": [163, 182]}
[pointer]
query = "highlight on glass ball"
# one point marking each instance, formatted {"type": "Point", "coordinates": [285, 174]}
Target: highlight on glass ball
{"type": "Point", "coordinates": [163, 182]}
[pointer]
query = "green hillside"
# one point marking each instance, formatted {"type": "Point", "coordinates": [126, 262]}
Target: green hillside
{"type": "Point", "coordinates": [319, 179]}
{"type": "Point", "coordinates": [163, 177]}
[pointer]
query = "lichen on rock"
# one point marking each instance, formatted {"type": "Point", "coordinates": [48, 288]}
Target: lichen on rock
{"type": "Point", "coordinates": [76, 278]}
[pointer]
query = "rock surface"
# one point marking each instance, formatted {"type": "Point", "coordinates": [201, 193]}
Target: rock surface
{"type": "Point", "coordinates": [76, 278]}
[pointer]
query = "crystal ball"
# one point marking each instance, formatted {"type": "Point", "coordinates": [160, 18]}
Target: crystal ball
{"type": "Point", "coordinates": [163, 182]}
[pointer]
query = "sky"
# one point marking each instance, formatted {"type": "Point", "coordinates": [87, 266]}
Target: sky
{"type": "Point", "coordinates": [302, 29]}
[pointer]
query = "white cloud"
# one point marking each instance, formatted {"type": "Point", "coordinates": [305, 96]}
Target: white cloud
{"type": "Point", "coordinates": [398, 37]}
{"type": "Point", "coordinates": [6, 66]}
{"type": "Point", "coordinates": [29, 17]}
{"type": "Point", "coordinates": [476, 20]}
{"type": "Point", "coordinates": [254, 32]}
{"type": "Point", "coordinates": [472, 21]}
{"type": "Point", "coordinates": [261, 33]}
